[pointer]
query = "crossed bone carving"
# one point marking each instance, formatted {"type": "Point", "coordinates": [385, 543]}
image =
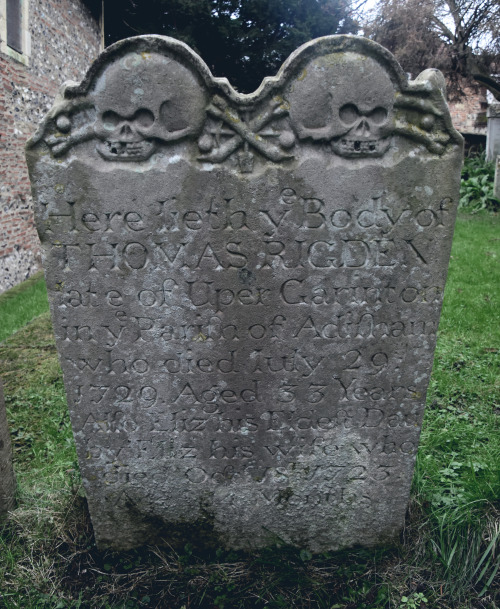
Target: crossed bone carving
{"type": "Point", "coordinates": [61, 145]}
{"type": "Point", "coordinates": [423, 131]}
{"type": "Point", "coordinates": [246, 134]}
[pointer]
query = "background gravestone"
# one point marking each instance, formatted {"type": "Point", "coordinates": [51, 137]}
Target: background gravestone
{"type": "Point", "coordinates": [496, 184]}
{"type": "Point", "coordinates": [493, 132]}
{"type": "Point", "coordinates": [7, 477]}
{"type": "Point", "coordinates": [246, 290]}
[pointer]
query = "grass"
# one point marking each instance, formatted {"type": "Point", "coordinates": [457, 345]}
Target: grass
{"type": "Point", "coordinates": [458, 472]}
{"type": "Point", "coordinates": [448, 557]}
{"type": "Point", "coordinates": [21, 304]}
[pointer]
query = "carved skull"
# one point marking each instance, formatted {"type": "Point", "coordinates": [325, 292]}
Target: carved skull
{"type": "Point", "coordinates": [142, 100]}
{"type": "Point", "coordinates": [346, 99]}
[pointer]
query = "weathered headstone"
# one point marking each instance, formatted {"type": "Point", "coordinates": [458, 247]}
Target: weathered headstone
{"type": "Point", "coordinates": [493, 132]}
{"type": "Point", "coordinates": [7, 477]}
{"type": "Point", "coordinates": [496, 183]}
{"type": "Point", "coordinates": [246, 290]}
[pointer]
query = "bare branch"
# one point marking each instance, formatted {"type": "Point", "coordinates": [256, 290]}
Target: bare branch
{"type": "Point", "coordinates": [460, 37]}
{"type": "Point", "coordinates": [444, 30]}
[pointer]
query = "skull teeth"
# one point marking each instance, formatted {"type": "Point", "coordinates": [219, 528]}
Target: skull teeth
{"type": "Point", "coordinates": [126, 151]}
{"type": "Point", "coordinates": [357, 147]}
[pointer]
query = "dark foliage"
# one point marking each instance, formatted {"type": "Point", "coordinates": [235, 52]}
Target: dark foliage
{"type": "Point", "coordinates": [243, 40]}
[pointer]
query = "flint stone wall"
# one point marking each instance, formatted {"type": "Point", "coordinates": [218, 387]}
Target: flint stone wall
{"type": "Point", "coordinates": [7, 477]}
{"type": "Point", "coordinates": [60, 40]}
{"type": "Point", "coordinates": [246, 290]}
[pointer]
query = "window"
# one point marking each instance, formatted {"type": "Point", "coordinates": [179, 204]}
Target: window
{"type": "Point", "coordinates": [14, 31]}
{"type": "Point", "coordinates": [14, 25]}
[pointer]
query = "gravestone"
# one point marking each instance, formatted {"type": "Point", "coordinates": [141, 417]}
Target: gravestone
{"type": "Point", "coordinates": [493, 132]}
{"type": "Point", "coordinates": [496, 183]}
{"type": "Point", "coordinates": [7, 477]}
{"type": "Point", "coordinates": [246, 290]}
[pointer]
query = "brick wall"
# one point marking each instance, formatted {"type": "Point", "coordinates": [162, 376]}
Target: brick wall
{"type": "Point", "coordinates": [469, 114]}
{"type": "Point", "coordinates": [62, 39]}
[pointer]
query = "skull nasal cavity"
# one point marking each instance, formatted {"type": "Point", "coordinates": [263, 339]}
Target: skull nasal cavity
{"type": "Point", "coordinates": [363, 128]}
{"type": "Point", "coordinates": [125, 130]}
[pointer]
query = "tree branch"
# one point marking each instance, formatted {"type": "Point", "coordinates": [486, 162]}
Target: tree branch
{"type": "Point", "coordinates": [490, 83]}
{"type": "Point", "coordinates": [445, 31]}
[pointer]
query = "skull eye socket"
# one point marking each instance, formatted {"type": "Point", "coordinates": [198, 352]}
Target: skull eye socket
{"type": "Point", "coordinates": [378, 115]}
{"type": "Point", "coordinates": [110, 120]}
{"type": "Point", "coordinates": [349, 114]}
{"type": "Point", "coordinates": [144, 118]}
{"type": "Point", "coordinates": [173, 115]}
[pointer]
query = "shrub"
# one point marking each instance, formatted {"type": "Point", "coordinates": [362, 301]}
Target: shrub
{"type": "Point", "coordinates": [476, 189]}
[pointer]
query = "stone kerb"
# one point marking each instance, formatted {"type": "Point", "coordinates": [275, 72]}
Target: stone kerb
{"type": "Point", "coordinates": [246, 290]}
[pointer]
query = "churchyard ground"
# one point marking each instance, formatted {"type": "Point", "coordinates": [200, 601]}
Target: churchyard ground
{"type": "Point", "coordinates": [448, 555]}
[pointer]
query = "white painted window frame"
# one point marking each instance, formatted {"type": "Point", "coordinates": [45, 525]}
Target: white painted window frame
{"type": "Point", "coordinates": [23, 57]}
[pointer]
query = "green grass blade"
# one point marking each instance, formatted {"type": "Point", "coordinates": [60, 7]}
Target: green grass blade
{"type": "Point", "coordinates": [21, 304]}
